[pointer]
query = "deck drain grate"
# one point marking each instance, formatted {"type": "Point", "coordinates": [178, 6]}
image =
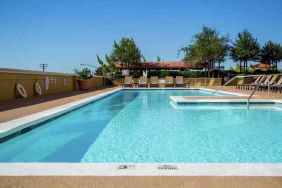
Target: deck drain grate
{"type": "Point", "coordinates": [125, 167]}
{"type": "Point", "coordinates": [168, 167]}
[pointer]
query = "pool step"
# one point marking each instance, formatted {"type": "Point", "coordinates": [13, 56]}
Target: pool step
{"type": "Point", "coordinates": [218, 99]}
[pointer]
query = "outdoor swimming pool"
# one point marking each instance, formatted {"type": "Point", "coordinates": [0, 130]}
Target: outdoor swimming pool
{"type": "Point", "coordinates": [141, 126]}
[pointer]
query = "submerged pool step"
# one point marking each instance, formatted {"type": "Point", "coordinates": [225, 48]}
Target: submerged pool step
{"type": "Point", "coordinates": [219, 99]}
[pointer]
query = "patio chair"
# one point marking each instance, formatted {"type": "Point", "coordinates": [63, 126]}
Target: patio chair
{"type": "Point", "coordinates": [242, 85]}
{"type": "Point", "coordinates": [262, 80]}
{"type": "Point", "coordinates": [154, 81]}
{"type": "Point", "coordinates": [143, 81]}
{"type": "Point", "coordinates": [169, 81]}
{"type": "Point", "coordinates": [179, 81]}
{"type": "Point", "coordinates": [270, 83]}
{"type": "Point", "coordinates": [128, 81]}
{"type": "Point", "coordinates": [277, 85]}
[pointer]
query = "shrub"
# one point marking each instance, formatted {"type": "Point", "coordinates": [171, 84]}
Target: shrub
{"type": "Point", "coordinates": [84, 73]}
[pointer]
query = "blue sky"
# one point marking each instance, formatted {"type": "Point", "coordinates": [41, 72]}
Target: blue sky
{"type": "Point", "coordinates": [66, 33]}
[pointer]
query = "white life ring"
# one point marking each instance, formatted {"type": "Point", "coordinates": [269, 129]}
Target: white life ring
{"type": "Point", "coordinates": [47, 83]}
{"type": "Point", "coordinates": [21, 90]}
{"type": "Point", "coordinates": [38, 90]}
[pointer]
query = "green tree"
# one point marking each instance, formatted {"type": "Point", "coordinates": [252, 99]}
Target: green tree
{"type": "Point", "coordinates": [84, 73]}
{"type": "Point", "coordinates": [221, 50]}
{"type": "Point", "coordinates": [125, 52]}
{"type": "Point", "coordinates": [143, 59]}
{"type": "Point", "coordinates": [208, 48]}
{"type": "Point", "coordinates": [103, 69]}
{"type": "Point", "coordinates": [238, 68]}
{"type": "Point", "coordinates": [245, 48]}
{"type": "Point", "coordinates": [271, 53]}
{"type": "Point", "coordinates": [99, 71]}
{"type": "Point", "coordinates": [158, 59]}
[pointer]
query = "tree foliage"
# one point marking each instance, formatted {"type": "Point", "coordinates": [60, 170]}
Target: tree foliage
{"type": "Point", "coordinates": [99, 71]}
{"type": "Point", "coordinates": [158, 59]}
{"type": "Point", "coordinates": [245, 48]}
{"type": "Point", "coordinates": [125, 52]}
{"type": "Point", "coordinates": [208, 48]}
{"type": "Point", "coordinates": [84, 73]}
{"type": "Point", "coordinates": [271, 53]}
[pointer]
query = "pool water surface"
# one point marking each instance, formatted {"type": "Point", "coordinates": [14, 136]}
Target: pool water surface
{"type": "Point", "coordinates": [141, 126]}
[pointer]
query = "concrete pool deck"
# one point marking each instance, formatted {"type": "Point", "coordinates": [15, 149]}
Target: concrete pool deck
{"type": "Point", "coordinates": [15, 109]}
{"type": "Point", "coordinates": [142, 181]}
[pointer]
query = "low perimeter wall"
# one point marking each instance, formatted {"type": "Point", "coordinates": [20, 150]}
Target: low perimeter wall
{"type": "Point", "coordinates": [58, 82]}
{"type": "Point", "coordinates": [192, 81]}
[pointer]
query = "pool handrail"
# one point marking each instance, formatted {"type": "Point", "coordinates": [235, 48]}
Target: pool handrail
{"type": "Point", "coordinates": [253, 92]}
{"type": "Point", "coordinates": [239, 76]}
{"type": "Point", "coordinates": [256, 87]}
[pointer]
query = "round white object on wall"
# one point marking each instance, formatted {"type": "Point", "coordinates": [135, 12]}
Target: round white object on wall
{"type": "Point", "coordinates": [47, 83]}
{"type": "Point", "coordinates": [65, 82]}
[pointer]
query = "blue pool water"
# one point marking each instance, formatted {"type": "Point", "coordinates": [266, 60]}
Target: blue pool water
{"type": "Point", "coordinates": [143, 126]}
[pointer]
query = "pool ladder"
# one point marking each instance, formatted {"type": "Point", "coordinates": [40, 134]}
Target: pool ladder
{"type": "Point", "coordinates": [249, 98]}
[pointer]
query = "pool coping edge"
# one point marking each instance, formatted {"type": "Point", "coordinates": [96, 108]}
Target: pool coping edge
{"type": "Point", "coordinates": [141, 169]}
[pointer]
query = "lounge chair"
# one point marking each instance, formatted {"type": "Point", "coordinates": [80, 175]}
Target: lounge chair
{"type": "Point", "coordinates": [276, 86]}
{"type": "Point", "coordinates": [154, 81]}
{"type": "Point", "coordinates": [143, 82]}
{"type": "Point", "coordinates": [270, 83]}
{"type": "Point", "coordinates": [262, 82]}
{"type": "Point", "coordinates": [242, 85]}
{"type": "Point", "coordinates": [179, 81]}
{"type": "Point", "coordinates": [169, 81]}
{"type": "Point", "coordinates": [250, 86]}
{"type": "Point", "coordinates": [128, 81]}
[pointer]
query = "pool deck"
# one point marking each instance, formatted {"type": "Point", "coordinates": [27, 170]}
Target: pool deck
{"type": "Point", "coordinates": [11, 110]}
{"type": "Point", "coordinates": [142, 181]}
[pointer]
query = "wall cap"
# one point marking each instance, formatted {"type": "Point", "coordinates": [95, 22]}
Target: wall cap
{"type": "Point", "coordinates": [7, 70]}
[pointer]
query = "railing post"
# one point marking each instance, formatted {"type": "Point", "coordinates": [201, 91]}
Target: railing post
{"type": "Point", "coordinates": [249, 98]}
{"type": "Point", "coordinates": [268, 86]}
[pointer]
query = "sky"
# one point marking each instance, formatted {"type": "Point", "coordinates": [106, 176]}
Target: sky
{"type": "Point", "coordinates": [67, 33]}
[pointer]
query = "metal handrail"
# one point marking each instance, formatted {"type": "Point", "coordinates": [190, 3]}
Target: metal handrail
{"type": "Point", "coordinates": [255, 89]}
{"type": "Point", "coordinates": [232, 80]}
{"type": "Point", "coordinates": [249, 98]}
